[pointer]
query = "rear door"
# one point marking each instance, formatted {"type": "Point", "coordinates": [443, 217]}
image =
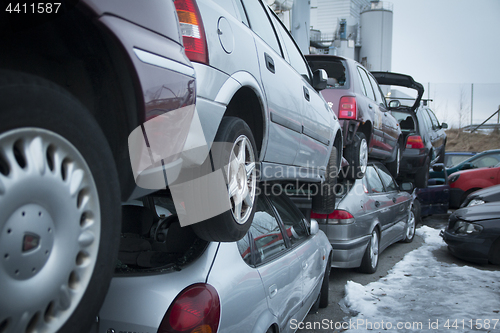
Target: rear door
{"type": "Point", "coordinates": [283, 88]}
{"type": "Point", "coordinates": [278, 266]}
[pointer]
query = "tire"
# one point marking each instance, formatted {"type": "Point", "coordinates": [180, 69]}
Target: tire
{"type": "Point", "coordinates": [410, 226]}
{"type": "Point", "coordinates": [325, 286]}
{"type": "Point", "coordinates": [418, 212]}
{"type": "Point", "coordinates": [369, 263]}
{"type": "Point", "coordinates": [394, 166]}
{"type": "Point", "coordinates": [422, 175]}
{"type": "Point", "coordinates": [357, 156]}
{"type": "Point", "coordinates": [233, 224]}
{"type": "Point", "coordinates": [324, 200]}
{"type": "Point", "coordinates": [494, 255]}
{"type": "Point", "coordinates": [58, 184]}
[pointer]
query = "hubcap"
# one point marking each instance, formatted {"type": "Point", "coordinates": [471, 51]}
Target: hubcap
{"type": "Point", "coordinates": [363, 155]}
{"type": "Point", "coordinates": [49, 230]}
{"type": "Point", "coordinates": [410, 229]}
{"type": "Point", "coordinates": [374, 248]}
{"type": "Point", "coordinates": [242, 179]}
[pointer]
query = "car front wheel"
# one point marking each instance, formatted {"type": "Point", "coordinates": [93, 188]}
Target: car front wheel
{"type": "Point", "coordinates": [369, 262]}
{"type": "Point", "coordinates": [60, 209]}
{"type": "Point", "coordinates": [410, 226]}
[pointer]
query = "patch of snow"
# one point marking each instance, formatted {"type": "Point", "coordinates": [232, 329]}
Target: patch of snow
{"type": "Point", "coordinates": [421, 294]}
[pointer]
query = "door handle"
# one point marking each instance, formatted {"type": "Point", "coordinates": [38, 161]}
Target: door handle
{"type": "Point", "coordinates": [269, 63]}
{"type": "Point", "coordinates": [305, 265]}
{"type": "Point", "coordinates": [306, 94]}
{"type": "Point", "coordinates": [377, 204]}
{"type": "Point", "coordinates": [273, 290]}
{"type": "Point", "coordinates": [370, 106]}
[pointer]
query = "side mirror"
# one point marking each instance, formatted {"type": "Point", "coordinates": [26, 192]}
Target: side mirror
{"type": "Point", "coordinates": [314, 228]}
{"type": "Point", "coordinates": [444, 125]}
{"type": "Point", "coordinates": [407, 187]}
{"type": "Point", "coordinates": [394, 103]}
{"type": "Point", "coordinates": [438, 167]}
{"type": "Point", "coordinates": [320, 78]}
{"type": "Point", "coordinates": [468, 166]}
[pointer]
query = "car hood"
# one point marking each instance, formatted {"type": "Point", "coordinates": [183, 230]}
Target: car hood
{"type": "Point", "coordinates": [489, 194]}
{"type": "Point", "coordinates": [402, 80]}
{"type": "Point", "coordinates": [487, 211]}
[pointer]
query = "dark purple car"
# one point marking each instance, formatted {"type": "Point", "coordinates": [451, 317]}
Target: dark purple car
{"type": "Point", "coordinates": [74, 83]}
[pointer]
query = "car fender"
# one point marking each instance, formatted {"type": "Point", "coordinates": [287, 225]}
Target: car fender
{"type": "Point", "coordinates": [475, 183]}
{"type": "Point", "coordinates": [265, 320]}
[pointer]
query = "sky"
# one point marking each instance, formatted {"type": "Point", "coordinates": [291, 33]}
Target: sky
{"type": "Point", "coordinates": [451, 44]}
{"type": "Point", "coordinates": [420, 290]}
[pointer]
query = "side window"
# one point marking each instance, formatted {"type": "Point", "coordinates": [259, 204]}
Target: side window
{"type": "Point", "coordinates": [374, 182]}
{"type": "Point", "coordinates": [295, 56]}
{"type": "Point", "coordinates": [379, 97]}
{"type": "Point", "coordinates": [366, 83]}
{"type": "Point", "coordinates": [265, 233]}
{"type": "Point", "coordinates": [291, 218]}
{"type": "Point", "coordinates": [435, 122]}
{"type": "Point", "coordinates": [387, 179]}
{"type": "Point", "coordinates": [486, 161]}
{"type": "Point", "coordinates": [245, 249]}
{"type": "Point", "coordinates": [259, 23]}
{"type": "Point", "coordinates": [425, 116]}
{"type": "Point", "coordinates": [241, 10]}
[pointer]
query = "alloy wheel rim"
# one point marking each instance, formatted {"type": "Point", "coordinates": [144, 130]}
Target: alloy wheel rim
{"type": "Point", "coordinates": [242, 178]}
{"type": "Point", "coordinates": [363, 155]}
{"type": "Point", "coordinates": [410, 230]}
{"type": "Point", "coordinates": [374, 249]}
{"type": "Point", "coordinates": [49, 229]}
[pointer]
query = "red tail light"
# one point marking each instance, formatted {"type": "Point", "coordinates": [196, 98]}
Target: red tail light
{"type": "Point", "coordinates": [195, 310]}
{"type": "Point", "coordinates": [347, 108]}
{"type": "Point", "coordinates": [192, 31]}
{"type": "Point", "coordinates": [338, 216]}
{"type": "Point", "coordinates": [415, 142]}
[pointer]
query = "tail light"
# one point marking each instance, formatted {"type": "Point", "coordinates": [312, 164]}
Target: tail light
{"type": "Point", "coordinates": [193, 33]}
{"type": "Point", "coordinates": [347, 108]}
{"type": "Point", "coordinates": [195, 310]}
{"type": "Point", "coordinates": [415, 142]}
{"type": "Point", "coordinates": [339, 216]}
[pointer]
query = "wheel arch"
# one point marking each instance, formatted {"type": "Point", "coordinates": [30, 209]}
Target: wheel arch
{"type": "Point", "coordinates": [367, 129]}
{"type": "Point", "coordinates": [85, 59]}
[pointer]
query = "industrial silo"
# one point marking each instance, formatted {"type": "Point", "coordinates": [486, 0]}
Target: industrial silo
{"type": "Point", "coordinates": [376, 36]}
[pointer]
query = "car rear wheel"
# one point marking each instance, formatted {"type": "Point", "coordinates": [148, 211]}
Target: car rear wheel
{"type": "Point", "coordinates": [236, 156]}
{"type": "Point", "coordinates": [324, 200]}
{"type": "Point", "coordinates": [410, 226]}
{"type": "Point", "coordinates": [369, 263]}
{"type": "Point", "coordinates": [357, 156]}
{"type": "Point", "coordinates": [325, 286]}
{"type": "Point", "coordinates": [60, 204]}
{"type": "Point", "coordinates": [422, 175]}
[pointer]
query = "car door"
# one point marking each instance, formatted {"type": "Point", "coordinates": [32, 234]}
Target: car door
{"type": "Point", "coordinates": [307, 249]}
{"type": "Point", "coordinates": [379, 204]}
{"type": "Point", "coordinates": [400, 204]}
{"type": "Point", "coordinates": [390, 126]}
{"type": "Point", "coordinates": [317, 118]}
{"type": "Point", "coordinates": [278, 266]}
{"type": "Point", "coordinates": [438, 136]}
{"type": "Point", "coordinates": [369, 106]}
{"type": "Point", "coordinates": [283, 88]}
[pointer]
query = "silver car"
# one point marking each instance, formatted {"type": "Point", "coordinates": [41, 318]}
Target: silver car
{"type": "Point", "coordinates": [372, 213]}
{"type": "Point", "coordinates": [169, 280]}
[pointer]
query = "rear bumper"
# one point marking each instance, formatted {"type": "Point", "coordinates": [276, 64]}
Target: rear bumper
{"type": "Point", "coordinates": [349, 253]}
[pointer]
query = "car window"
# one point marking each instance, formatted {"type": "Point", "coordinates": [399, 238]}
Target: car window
{"type": "Point", "coordinates": [265, 234]}
{"type": "Point", "coordinates": [379, 97]}
{"type": "Point", "coordinates": [452, 160]}
{"type": "Point", "coordinates": [405, 120]}
{"type": "Point", "coordinates": [425, 117]}
{"type": "Point", "coordinates": [295, 57]}
{"type": "Point", "coordinates": [241, 10]}
{"type": "Point", "coordinates": [434, 120]}
{"type": "Point", "coordinates": [291, 218]}
{"type": "Point", "coordinates": [259, 23]}
{"type": "Point", "coordinates": [366, 82]}
{"type": "Point", "coordinates": [337, 72]}
{"type": "Point", "coordinates": [390, 184]}
{"type": "Point", "coordinates": [486, 161]}
{"type": "Point", "coordinates": [374, 183]}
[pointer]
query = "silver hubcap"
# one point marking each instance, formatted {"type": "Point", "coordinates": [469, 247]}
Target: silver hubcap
{"type": "Point", "coordinates": [410, 229]}
{"type": "Point", "coordinates": [374, 248]}
{"type": "Point", "coordinates": [49, 230]}
{"type": "Point", "coordinates": [363, 155]}
{"type": "Point", "coordinates": [242, 179]}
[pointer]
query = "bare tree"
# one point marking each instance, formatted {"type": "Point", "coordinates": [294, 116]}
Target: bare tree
{"type": "Point", "coordinates": [463, 108]}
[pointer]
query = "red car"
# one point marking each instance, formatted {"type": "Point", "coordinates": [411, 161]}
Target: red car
{"type": "Point", "coordinates": [462, 183]}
